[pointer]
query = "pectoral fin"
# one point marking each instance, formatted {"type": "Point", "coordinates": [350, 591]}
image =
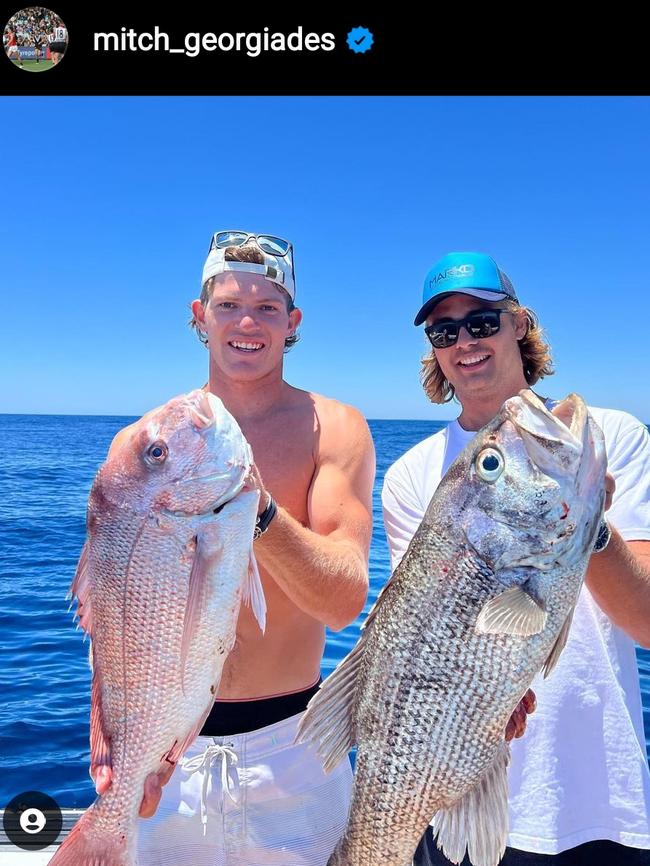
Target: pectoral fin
{"type": "Point", "coordinates": [513, 612]}
{"type": "Point", "coordinates": [253, 594]}
{"type": "Point", "coordinates": [195, 594]}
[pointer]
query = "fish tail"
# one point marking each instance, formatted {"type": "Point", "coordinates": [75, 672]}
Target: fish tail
{"type": "Point", "coordinates": [84, 847]}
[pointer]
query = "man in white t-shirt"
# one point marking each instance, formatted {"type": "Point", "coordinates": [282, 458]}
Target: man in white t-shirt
{"type": "Point", "coordinates": [579, 780]}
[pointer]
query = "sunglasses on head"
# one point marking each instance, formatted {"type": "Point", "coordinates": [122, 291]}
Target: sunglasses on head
{"type": "Point", "coordinates": [478, 324]}
{"type": "Point", "coordinates": [268, 243]}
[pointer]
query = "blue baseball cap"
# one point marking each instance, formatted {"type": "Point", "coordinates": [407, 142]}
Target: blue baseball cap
{"type": "Point", "coordinates": [468, 274]}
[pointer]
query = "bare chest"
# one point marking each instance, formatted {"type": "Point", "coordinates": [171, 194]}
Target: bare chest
{"type": "Point", "coordinates": [284, 450]}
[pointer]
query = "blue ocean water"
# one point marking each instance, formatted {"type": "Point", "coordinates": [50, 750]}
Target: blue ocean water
{"type": "Point", "coordinates": [47, 464]}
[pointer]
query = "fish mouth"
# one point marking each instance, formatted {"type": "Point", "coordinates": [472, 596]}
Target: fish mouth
{"type": "Point", "coordinates": [218, 504]}
{"type": "Point", "coordinates": [200, 409]}
{"type": "Point", "coordinates": [556, 441]}
{"type": "Point", "coordinates": [214, 508]}
{"type": "Point", "coordinates": [564, 424]}
{"type": "Point", "coordinates": [216, 476]}
{"type": "Point", "coordinates": [567, 446]}
{"type": "Point", "coordinates": [227, 497]}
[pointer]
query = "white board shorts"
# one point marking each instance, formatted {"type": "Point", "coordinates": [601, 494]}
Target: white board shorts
{"type": "Point", "coordinates": [251, 799]}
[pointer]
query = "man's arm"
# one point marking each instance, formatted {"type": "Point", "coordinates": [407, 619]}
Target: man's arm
{"type": "Point", "coordinates": [619, 579]}
{"type": "Point", "coordinates": [619, 576]}
{"type": "Point", "coordinates": [324, 568]}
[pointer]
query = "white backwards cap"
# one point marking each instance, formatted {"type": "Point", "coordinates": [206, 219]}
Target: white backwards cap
{"type": "Point", "coordinates": [277, 254]}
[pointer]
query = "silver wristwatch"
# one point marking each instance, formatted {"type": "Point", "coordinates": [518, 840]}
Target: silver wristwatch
{"type": "Point", "coordinates": [603, 537]}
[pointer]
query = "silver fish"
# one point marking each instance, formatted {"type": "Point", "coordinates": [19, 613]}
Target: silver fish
{"type": "Point", "coordinates": [167, 561]}
{"type": "Point", "coordinates": [481, 602]}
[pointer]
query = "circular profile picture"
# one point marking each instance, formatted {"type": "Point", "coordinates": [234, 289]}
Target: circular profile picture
{"type": "Point", "coordinates": [35, 39]}
{"type": "Point", "coordinates": [32, 820]}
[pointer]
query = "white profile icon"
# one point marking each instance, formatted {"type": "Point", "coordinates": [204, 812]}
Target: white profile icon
{"type": "Point", "coordinates": [32, 820]}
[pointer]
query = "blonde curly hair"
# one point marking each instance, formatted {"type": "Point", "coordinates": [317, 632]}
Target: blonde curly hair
{"type": "Point", "coordinates": [535, 358]}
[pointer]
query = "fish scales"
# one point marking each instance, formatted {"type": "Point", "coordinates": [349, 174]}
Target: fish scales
{"type": "Point", "coordinates": [167, 561]}
{"type": "Point", "coordinates": [471, 614]}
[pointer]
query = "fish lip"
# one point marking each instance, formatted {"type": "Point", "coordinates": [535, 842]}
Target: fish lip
{"type": "Point", "coordinates": [216, 506]}
{"type": "Point", "coordinates": [567, 434]}
{"type": "Point", "coordinates": [216, 476]}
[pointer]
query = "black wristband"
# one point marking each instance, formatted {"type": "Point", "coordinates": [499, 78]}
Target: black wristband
{"type": "Point", "coordinates": [263, 519]}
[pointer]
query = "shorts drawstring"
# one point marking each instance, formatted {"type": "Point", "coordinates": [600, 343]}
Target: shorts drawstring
{"type": "Point", "coordinates": [204, 762]}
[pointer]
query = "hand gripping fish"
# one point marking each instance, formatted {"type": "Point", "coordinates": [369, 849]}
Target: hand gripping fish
{"type": "Point", "coordinates": [167, 561]}
{"type": "Point", "coordinates": [482, 601]}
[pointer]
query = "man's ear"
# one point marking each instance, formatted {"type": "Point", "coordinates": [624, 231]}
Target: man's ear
{"type": "Point", "coordinates": [522, 324]}
{"type": "Point", "coordinates": [198, 311]}
{"type": "Point", "coordinates": [295, 318]}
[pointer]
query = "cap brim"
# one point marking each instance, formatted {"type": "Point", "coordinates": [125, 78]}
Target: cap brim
{"type": "Point", "coordinates": [481, 294]}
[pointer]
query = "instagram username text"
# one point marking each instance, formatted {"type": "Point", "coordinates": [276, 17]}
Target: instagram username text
{"type": "Point", "coordinates": [253, 44]}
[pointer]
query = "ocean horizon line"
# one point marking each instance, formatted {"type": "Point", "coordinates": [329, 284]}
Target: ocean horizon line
{"type": "Point", "coordinates": [122, 415]}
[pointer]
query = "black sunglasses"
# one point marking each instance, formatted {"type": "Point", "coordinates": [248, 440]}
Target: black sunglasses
{"type": "Point", "coordinates": [479, 323]}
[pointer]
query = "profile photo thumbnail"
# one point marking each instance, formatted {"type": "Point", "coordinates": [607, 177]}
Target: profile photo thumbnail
{"type": "Point", "coordinates": [35, 39]}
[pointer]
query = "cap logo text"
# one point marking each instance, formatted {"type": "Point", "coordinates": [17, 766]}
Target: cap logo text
{"type": "Point", "coordinates": [456, 271]}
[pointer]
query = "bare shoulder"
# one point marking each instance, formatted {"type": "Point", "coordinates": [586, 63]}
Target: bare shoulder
{"type": "Point", "coordinates": [338, 418]}
{"type": "Point", "coordinates": [341, 428]}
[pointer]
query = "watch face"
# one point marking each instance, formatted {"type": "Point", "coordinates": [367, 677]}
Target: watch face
{"type": "Point", "coordinates": [265, 518]}
{"type": "Point", "coordinates": [602, 539]}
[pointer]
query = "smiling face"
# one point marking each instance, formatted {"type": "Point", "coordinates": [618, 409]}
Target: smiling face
{"type": "Point", "coordinates": [246, 321]}
{"type": "Point", "coordinates": [481, 368]}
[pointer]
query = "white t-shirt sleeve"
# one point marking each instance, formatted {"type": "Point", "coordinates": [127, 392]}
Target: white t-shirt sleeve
{"type": "Point", "coordinates": [403, 511]}
{"type": "Point", "coordinates": [628, 457]}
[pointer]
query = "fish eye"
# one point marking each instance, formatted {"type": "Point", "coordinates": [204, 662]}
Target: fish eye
{"type": "Point", "coordinates": [156, 453]}
{"type": "Point", "coordinates": [489, 464]}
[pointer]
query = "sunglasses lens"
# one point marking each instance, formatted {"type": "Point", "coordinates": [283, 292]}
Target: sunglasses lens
{"type": "Point", "coordinates": [272, 245]}
{"type": "Point", "coordinates": [229, 239]}
{"type": "Point", "coordinates": [443, 334]}
{"type": "Point", "coordinates": [483, 324]}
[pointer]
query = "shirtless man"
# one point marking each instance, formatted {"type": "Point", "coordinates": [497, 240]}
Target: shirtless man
{"type": "Point", "coordinates": [243, 793]}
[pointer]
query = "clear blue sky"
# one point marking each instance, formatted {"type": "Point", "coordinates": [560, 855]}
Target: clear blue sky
{"type": "Point", "coordinates": [109, 205]}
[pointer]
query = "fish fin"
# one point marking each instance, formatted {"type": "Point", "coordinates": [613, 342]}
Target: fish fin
{"type": "Point", "coordinates": [179, 748]}
{"type": "Point", "coordinates": [512, 612]}
{"type": "Point", "coordinates": [195, 589]}
{"type": "Point", "coordinates": [478, 822]}
{"type": "Point", "coordinates": [80, 589]}
{"type": "Point", "coordinates": [253, 593]}
{"type": "Point", "coordinates": [85, 846]}
{"type": "Point", "coordinates": [559, 645]}
{"type": "Point", "coordinates": [100, 748]}
{"type": "Point", "coordinates": [328, 723]}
